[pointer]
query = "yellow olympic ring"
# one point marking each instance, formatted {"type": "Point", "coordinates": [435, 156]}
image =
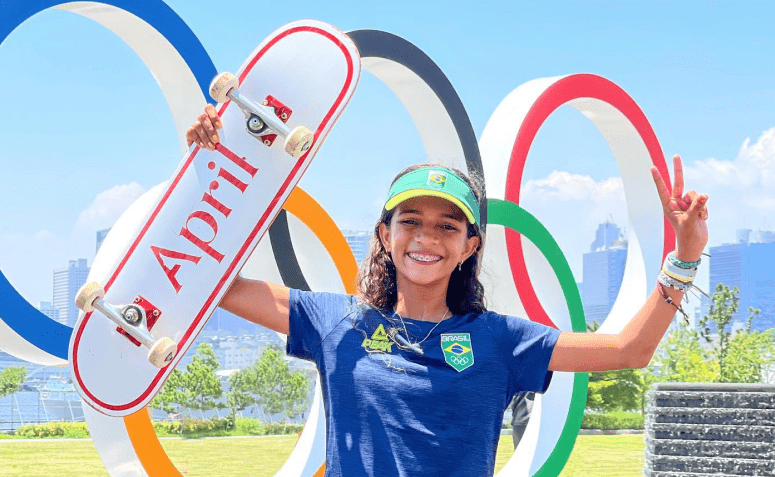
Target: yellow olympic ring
{"type": "Point", "coordinates": [305, 208]}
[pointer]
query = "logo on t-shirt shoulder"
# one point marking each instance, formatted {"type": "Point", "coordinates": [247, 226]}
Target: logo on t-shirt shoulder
{"type": "Point", "coordinates": [458, 351]}
{"type": "Point", "coordinates": [378, 342]}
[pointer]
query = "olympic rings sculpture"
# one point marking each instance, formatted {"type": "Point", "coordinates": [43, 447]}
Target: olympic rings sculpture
{"type": "Point", "coordinates": [526, 284]}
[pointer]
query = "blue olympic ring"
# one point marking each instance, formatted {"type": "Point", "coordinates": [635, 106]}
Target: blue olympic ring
{"type": "Point", "coordinates": [24, 319]}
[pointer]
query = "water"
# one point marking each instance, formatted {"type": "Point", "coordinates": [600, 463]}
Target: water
{"type": "Point", "coordinates": [710, 429]}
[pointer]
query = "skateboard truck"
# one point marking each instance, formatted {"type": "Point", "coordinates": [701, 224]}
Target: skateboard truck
{"type": "Point", "coordinates": [261, 119]}
{"type": "Point", "coordinates": [281, 111]}
{"type": "Point", "coordinates": [131, 319]}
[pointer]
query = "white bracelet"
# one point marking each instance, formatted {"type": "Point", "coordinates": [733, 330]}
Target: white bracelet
{"type": "Point", "coordinates": [669, 281]}
{"type": "Point", "coordinates": [685, 275]}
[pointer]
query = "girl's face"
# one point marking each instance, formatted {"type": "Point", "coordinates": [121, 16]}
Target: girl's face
{"type": "Point", "coordinates": [427, 239]}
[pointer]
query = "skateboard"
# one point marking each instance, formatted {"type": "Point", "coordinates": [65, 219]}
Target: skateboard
{"type": "Point", "coordinates": [169, 264]}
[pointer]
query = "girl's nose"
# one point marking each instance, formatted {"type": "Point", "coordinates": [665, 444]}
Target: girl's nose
{"type": "Point", "coordinates": [426, 233]}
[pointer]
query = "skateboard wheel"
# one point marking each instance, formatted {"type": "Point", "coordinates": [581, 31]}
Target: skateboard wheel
{"type": "Point", "coordinates": [162, 352]}
{"type": "Point", "coordinates": [221, 85]}
{"type": "Point", "coordinates": [299, 141]}
{"type": "Point", "coordinates": [87, 295]}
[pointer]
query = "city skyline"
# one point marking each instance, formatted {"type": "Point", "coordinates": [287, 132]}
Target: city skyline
{"type": "Point", "coordinates": [603, 269]}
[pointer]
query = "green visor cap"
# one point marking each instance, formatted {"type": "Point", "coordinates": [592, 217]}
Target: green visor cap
{"type": "Point", "coordinates": [436, 182]}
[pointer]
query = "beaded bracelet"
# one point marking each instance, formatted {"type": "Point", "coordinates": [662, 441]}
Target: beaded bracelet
{"type": "Point", "coordinates": [670, 301]}
{"type": "Point", "coordinates": [682, 264]}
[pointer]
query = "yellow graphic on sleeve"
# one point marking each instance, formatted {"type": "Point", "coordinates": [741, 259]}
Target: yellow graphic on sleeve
{"type": "Point", "coordinates": [378, 341]}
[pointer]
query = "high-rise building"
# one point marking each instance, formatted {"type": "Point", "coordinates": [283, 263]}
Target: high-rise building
{"type": "Point", "coordinates": [606, 235]}
{"type": "Point", "coordinates": [748, 265]}
{"type": "Point", "coordinates": [603, 270]}
{"type": "Point", "coordinates": [359, 242]}
{"type": "Point", "coordinates": [67, 281]}
{"type": "Point", "coordinates": [101, 234]}
{"type": "Point", "coordinates": [48, 309]}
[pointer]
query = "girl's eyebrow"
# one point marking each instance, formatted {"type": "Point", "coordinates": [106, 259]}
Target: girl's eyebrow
{"type": "Point", "coordinates": [408, 211]}
{"type": "Point", "coordinates": [445, 215]}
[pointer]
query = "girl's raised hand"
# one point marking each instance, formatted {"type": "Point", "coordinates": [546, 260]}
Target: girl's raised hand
{"type": "Point", "coordinates": [686, 212]}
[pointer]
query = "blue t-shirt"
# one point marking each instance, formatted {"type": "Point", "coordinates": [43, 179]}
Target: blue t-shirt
{"type": "Point", "coordinates": [392, 412]}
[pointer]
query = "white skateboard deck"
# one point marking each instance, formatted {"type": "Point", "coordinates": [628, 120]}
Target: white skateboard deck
{"type": "Point", "coordinates": [183, 254]}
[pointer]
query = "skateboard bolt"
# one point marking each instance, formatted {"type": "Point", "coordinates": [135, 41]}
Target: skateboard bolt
{"type": "Point", "coordinates": [265, 103]}
{"type": "Point", "coordinates": [267, 142]}
{"type": "Point", "coordinates": [131, 315]}
{"type": "Point", "coordinates": [255, 123]}
{"type": "Point", "coordinates": [137, 299]}
{"type": "Point", "coordinates": [284, 116]}
{"type": "Point", "coordinates": [156, 313]}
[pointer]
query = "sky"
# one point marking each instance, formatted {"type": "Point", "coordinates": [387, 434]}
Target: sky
{"type": "Point", "coordinates": [86, 130]}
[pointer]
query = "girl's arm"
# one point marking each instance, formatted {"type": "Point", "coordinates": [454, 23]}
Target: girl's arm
{"type": "Point", "coordinates": [260, 302]}
{"type": "Point", "coordinates": [634, 346]}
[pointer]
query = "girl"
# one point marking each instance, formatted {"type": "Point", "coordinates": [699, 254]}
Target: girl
{"type": "Point", "coordinates": [415, 372]}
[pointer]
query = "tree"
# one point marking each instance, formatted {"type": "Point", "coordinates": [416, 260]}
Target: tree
{"type": "Point", "coordinates": [618, 390]}
{"type": "Point", "coordinates": [239, 397]}
{"type": "Point", "coordinates": [11, 380]}
{"type": "Point", "coordinates": [742, 355]}
{"type": "Point", "coordinates": [682, 358]}
{"type": "Point", "coordinates": [730, 356]}
{"type": "Point", "coordinates": [171, 393]}
{"type": "Point", "coordinates": [197, 388]}
{"type": "Point", "coordinates": [269, 383]}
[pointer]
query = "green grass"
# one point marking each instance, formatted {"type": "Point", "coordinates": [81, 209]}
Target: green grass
{"type": "Point", "coordinates": [594, 456]}
{"type": "Point", "coordinates": [608, 456]}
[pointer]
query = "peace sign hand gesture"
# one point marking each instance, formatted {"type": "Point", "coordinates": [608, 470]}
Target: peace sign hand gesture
{"type": "Point", "coordinates": [687, 214]}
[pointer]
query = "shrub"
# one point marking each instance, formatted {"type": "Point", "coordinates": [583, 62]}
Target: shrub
{"type": "Point", "coordinates": [282, 428]}
{"type": "Point", "coordinates": [186, 427]}
{"type": "Point", "coordinates": [56, 429]}
{"type": "Point", "coordinates": [216, 426]}
{"type": "Point", "coordinates": [613, 420]}
{"type": "Point", "coordinates": [167, 429]}
{"type": "Point", "coordinates": [248, 427]}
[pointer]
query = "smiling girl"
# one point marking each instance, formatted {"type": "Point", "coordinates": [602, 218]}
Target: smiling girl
{"type": "Point", "coordinates": [415, 371]}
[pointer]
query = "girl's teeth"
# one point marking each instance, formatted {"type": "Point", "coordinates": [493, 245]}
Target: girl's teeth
{"type": "Point", "coordinates": [424, 258]}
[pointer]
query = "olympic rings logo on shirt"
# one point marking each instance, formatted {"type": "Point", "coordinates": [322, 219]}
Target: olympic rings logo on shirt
{"type": "Point", "coordinates": [519, 275]}
{"type": "Point", "coordinates": [461, 360]}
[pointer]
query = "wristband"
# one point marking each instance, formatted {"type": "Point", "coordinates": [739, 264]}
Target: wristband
{"type": "Point", "coordinates": [681, 263]}
{"type": "Point", "coordinates": [669, 281]}
{"type": "Point", "coordinates": [680, 274]}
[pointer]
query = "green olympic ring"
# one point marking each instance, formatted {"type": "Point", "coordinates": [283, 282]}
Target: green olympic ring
{"type": "Point", "coordinates": [509, 214]}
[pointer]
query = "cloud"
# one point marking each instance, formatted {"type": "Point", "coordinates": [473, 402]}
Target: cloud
{"type": "Point", "coordinates": [106, 208]}
{"type": "Point", "coordinates": [29, 260]}
{"type": "Point", "coordinates": [741, 190]}
{"type": "Point", "coordinates": [572, 206]}
{"type": "Point", "coordinates": [565, 186]}
{"type": "Point", "coordinates": [754, 166]}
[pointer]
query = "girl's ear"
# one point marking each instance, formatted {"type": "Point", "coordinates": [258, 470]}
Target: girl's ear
{"type": "Point", "coordinates": [384, 236]}
{"type": "Point", "coordinates": [472, 245]}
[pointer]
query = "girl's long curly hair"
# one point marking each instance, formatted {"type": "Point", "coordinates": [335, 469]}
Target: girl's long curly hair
{"type": "Point", "coordinates": [377, 274]}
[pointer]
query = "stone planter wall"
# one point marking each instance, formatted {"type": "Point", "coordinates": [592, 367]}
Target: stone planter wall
{"type": "Point", "coordinates": [699, 430]}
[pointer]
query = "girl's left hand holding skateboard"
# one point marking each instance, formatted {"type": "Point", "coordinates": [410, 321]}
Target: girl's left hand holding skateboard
{"type": "Point", "coordinates": [203, 131]}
